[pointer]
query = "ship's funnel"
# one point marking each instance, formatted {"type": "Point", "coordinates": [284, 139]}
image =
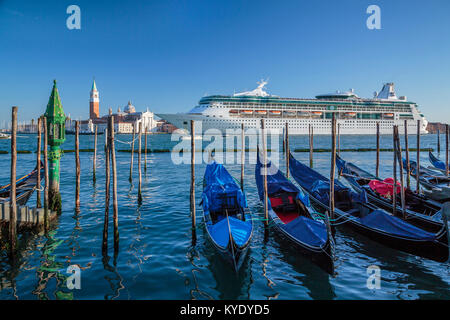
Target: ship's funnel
{"type": "Point", "coordinates": [388, 92]}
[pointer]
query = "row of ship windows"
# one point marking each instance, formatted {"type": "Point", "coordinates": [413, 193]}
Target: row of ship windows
{"type": "Point", "coordinates": [312, 107]}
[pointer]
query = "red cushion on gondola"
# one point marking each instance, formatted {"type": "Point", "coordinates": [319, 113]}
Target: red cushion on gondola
{"type": "Point", "coordinates": [385, 187]}
{"type": "Point", "coordinates": [275, 202]}
{"type": "Point", "coordinates": [287, 217]}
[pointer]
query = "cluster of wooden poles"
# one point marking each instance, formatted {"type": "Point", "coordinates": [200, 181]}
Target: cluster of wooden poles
{"type": "Point", "coordinates": [335, 149]}
{"type": "Point", "coordinates": [109, 157]}
{"type": "Point", "coordinates": [286, 150]}
{"type": "Point", "coordinates": [42, 123]}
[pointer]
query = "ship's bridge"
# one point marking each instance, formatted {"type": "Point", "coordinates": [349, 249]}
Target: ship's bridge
{"type": "Point", "coordinates": [338, 95]}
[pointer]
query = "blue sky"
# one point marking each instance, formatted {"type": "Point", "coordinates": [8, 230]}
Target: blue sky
{"type": "Point", "coordinates": [165, 55]}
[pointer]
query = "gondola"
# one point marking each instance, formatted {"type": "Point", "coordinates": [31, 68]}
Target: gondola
{"type": "Point", "coordinates": [420, 211]}
{"type": "Point", "coordinates": [25, 187]}
{"type": "Point", "coordinates": [428, 178]}
{"type": "Point", "coordinates": [292, 216]}
{"type": "Point", "coordinates": [438, 164]}
{"type": "Point", "coordinates": [353, 210]}
{"type": "Point", "coordinates": [226, 215]}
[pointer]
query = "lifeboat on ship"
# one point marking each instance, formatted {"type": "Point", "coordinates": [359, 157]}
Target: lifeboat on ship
{"type": "Point", "coordinates": [246, 112]}
{"type": "Point", "coordinates": [261, 112]}
{"type": "Point", "coordinates": [290, 113]}
{"type": "Point", "coordinates": [350, 114]}
{"type": "Point", "coordinates": [389, 115]}
{"type": "Point", "coordinates": [316, 114]}
{"type": "Point", "coordinates": [234, 112]}
{"type": "Point", "coordinates": [275, 112]}
{"type": "Point", "coordinates": [304, 114]}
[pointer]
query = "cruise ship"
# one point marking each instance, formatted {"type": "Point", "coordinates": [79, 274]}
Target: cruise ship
{"type": "Point", "coordinates": [354, 115]}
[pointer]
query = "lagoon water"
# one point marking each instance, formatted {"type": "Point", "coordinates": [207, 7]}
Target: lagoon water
{"type": "Point", "coordinates": [157, 259]}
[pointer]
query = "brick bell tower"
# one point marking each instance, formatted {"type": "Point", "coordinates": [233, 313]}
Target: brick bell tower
{"type": "Point", "coordinates": [94, 103]}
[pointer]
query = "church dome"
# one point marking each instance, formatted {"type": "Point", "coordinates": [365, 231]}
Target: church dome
{"type": "Point", "coordinates": [129, 108]}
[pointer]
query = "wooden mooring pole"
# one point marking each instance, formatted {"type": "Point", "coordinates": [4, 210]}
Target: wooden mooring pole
{"type": "Point", "coordinates": [38, 162]}
{"type": "Point", "coordinates": [311, 145]}
{"type": "Point", "coordinates": [145, 152]}
{"type": "Point", "coordinates": [339, 138]}
{"type": "Point", "coordinates": [107, 194]}
{"type": "Point", "coordinates": [408, 168]}
{"type": "Point", "coordinates": [287, 150]}
{"type": "Point", "coordinates": [77, 166]}
{"type": "Point", "coordinates": [46, 173]}
{"type": "Point", "coordinates": [139, 165]}
{"type": "Point", "coordinates": [398, 150]}
{"type": "Point", "coordinates": [266, 196]}
{"type": "Point", "coordinates": [377, 168]}
{"type": "Point", "coordinates": [114, 172]}
{"type": "Point", "coordinates": [94, 160]}
{"type": "Point", "coordinates": [132, 154]}
{"type": "Point", "coordinates": [13, 208]}
{"type": "Point", "coordinates": [446, 149]}
{"type": "Point", "coordinates": [333, 164]}
{"type": "Point", "coordinates": [242, 156]}
{"type": "Point", "coordinates": [394, 187]}
{"type": "Point", "coordinates": [192, 193]}
{"type": "Point", "coordinates": [418, 158]}
{"type": "Point", "coordinates": [438, 135]}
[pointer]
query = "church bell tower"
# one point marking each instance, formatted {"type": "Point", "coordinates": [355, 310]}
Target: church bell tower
{"type": "Point", "coordinates": [94, 103]}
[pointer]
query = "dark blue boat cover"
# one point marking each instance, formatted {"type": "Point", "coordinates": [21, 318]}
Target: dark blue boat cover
{"type": "Point", "coordinates": [276, 182]}
{"type": "Point", "coordinates": [314, 182]}
{"type": "Point", "coordinates": [309, 231]}
{"type": "Point", "coordinates": [436, 162]}
{"type": "Point", "coordinates": [377, 219]}
{"type": "Point", "coordinates": [381, 220]}
{"type": "Point", "coordinates": [218, 182]}
{"type": "Point", "coordinates": [303, 229]}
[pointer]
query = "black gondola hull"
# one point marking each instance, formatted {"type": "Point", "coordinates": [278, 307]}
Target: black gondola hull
{"type": "Point", "coordinates": [436, 250]}
{"type": "Point", "coordinates": [321, 256]}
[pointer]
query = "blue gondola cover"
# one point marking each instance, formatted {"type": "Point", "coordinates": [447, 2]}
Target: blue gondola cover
{"type": "Point", "coordinates": [220, 183]}
{"type": "Point", "coordinates": [307, 231]}
{"type": "Point", "coordinates": [381, 220]}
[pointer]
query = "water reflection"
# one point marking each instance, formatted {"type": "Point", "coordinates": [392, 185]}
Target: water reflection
{"type": "Point", "coordinates": [230, 285]}
{"type": "Point", "coordinates": [50, 269]}
{"type": "Point", "coordinates": [306, 273]}
{"type": "Point", "coordinates": [113, 278]}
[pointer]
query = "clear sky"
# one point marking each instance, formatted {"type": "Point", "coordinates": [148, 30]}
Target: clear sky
{"type": "Point", "coordinates": [165, 55]}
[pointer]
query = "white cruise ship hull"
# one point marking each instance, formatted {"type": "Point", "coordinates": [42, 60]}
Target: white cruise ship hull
{"type": "Point", "coordinates": [296, 126]}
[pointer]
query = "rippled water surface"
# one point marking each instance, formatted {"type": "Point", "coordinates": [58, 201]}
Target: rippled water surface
{"type": "Point", "coordinates": [157, 259]}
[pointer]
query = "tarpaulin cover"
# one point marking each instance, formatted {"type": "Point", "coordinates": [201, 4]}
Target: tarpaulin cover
{"type": "Point", "coordinates": [219, 183]}
{"type": "Point", "coordinates": [240, 230]}
{"type": "Point", "coordinates": [307, 231]}
{"type": "Point", "coordinates": [381, 220]}
{"type": "Point", "coordinates": [313, 181]}
{"type": "Point", "coordinates": [385, 187]}
{"type": "Point", "coordinates": [276, 182]}
{"type": "Point", "coordinates": [436, 162]}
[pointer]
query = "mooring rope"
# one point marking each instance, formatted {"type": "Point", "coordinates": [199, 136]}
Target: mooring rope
{"type": "Point", "coordinates": [127, 142]}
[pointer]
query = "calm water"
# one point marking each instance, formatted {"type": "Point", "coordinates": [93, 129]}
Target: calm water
{"type": "Point", "coordinates": [157, 259]}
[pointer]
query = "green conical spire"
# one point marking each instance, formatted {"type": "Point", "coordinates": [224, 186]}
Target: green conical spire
{"type": "Point", "coordinates": [94, 87]}
{"type": "Point", "coordinates": [54, 107]}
